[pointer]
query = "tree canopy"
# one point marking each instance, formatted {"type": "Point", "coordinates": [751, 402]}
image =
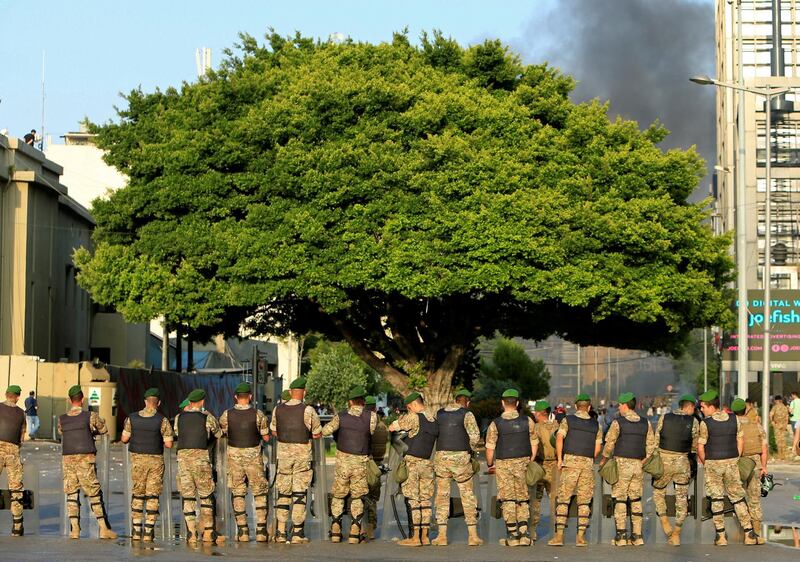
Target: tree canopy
{"type": "Point", "coordinates": [405, 198]}
{"type": "Point", "coordinates": [511, 367]}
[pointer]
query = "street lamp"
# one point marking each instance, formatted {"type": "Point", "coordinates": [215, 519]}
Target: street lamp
{"type": "Point", "coordinates": [768, 93]}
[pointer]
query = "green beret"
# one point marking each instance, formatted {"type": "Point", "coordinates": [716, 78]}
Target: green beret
{"type": "Point", "coordinates": [299, 382]}
{"type": "Point", "coordinates": [285, 395]}
{"type": "Point", "coordinates": [687, 398]}
{"type": "Point", "coordinates": [152, 392]}
{"type": "Point", "coordinates": [582, 397]}
{"type": "Point", "coordinates": [462, 392]}
{"type": "Point", "coordinates": [370, 401]}
{"type": "Point", "coordinates": [243, 388]}
{"type": "Point", "coordinates": [738, 405]}
{"type": "Point", "coordinates": [196, 395]}
{"type": "Point", "coordinates": [14, 389]}
{"type": "Point", "coordinates": [183, 404]}
{"type": "Point", "coordinates": [411, 397]}
{"type": "Point", "coordinates": [74, 390]}
{"type": "Point", "coordinates": [356, 392]}
{"type": "Point", "coordinates": [511, 393]}
{"type": "Point", "coordinates": [625, 397]}
{"type": "Point", "coordinates": [541, 406]}
{"type": "Point", "coordinates": [709, 395]}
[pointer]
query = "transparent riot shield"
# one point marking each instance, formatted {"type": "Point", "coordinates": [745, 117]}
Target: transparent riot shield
{"type": "Point", "coordinates": [166, 517]}
{"type": "Point", "coordinates": [456, 522]}
{"type": "Point", "coordinates": [396, 523]}
{"type": "Point", "coordinates": [270, 454]}
{"type": "Point", "coordinates": [690, 532]}
{"type": "Point", "coordinates": [707, 531]}
{"type": "Point", "coordinates": [30, 500]}
{"type": "Point", "coordinates": [318, 498]}
{"type": "Point", "coordinates": [88, 522]}
{"type": "Point", "coordinates": [127, 478]}
{"type": "Point", "coordinates": [225, 521]}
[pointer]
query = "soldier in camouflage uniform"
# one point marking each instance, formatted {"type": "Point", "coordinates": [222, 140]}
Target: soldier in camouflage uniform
{"type": "Point", "coordinates": [779, 418]}
{"type": "Point", "coordinates": [457, 441]}
{"type": "Point", "coordinates": [756, 447]}
{"type": "Point", "coordinates": [578, 442]}
{"type": "Point", "coordinates": [195, 429]}
{"type": "Point", "coordinates": [546, 457]}
{"type": "Point", "coordinates": [353, 431]}
{"type": "Point", "coordinates": [751, 412]}
{"type": "Point", "coordinates": [720, 442]}
{"type": "Point", "coordinates": [294, 424]}
{"type": "Point", "coordinates": [630, 439]}
{"type": "Point", "coordinates": [418, 488]}
{"type": "Point", "coordinates": [147, 432]}
{"type": "Point", "coordinates": [12, 432]}
{"type": "Point", "coordinates": [79, 463]}
{"type": "Point", "coordinates": [511, 443]}
{"type": "Point", "coordinates": [380, 439]}
{"type": "Point", "coordinates": [246, 428]}
{"type": "Point", "coordinates": [676, 438]}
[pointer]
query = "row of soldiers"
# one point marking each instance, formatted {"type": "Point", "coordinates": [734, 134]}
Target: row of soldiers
{"type": "Point", "coordinates": [566, 453]}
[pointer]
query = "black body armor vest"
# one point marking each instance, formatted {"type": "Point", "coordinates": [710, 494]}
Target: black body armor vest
{"type": "Point", "coordinates": [192, 432]}
{"type": "Point", "coordinates": [76, 435]}
{"type": "Point", "coordinates": [421, 445]}
{"type": "Point", "coordinates": [291, 423]}
{"type": "Point", "coordinates": [676, 433]}
{"type": "Point", "coordinates": [452, 433]}
{"type": "Point", "coordinates": [242, 428]}
{"type": "Point", "coordinates": [146, 434]}
{"type": "Point", "coordinates": [353, 435]}
{"type": "Point", "coordinates": [513, 438]}
{"type": "Point", "coordinates": [632, 441]}
{"type": "Point", "coordinates": [581, 437]}
{"type": "Point", "coordinates": [11, 420]}
{"type": "Point", "coordinates": [721, 439]}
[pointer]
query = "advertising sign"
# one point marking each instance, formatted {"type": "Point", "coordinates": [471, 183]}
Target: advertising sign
{"type": "Point", "coordinates": [784, 329]}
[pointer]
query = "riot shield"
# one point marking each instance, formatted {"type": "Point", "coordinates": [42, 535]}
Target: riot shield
{"type": "Point", "coordinates": [127, 497]}
{"type": "Point", "coordinates": [318, 502]}
{"type": "Point", "coordinates": [88, 522]}
{"type": "Point", "coordinates": [225, 521]}
{"type": "Point", "coordinates": [167, 523]}
{"type": "Point", "coordinates": [456, 523]}
{"type": "Point", "coordinates": [396, 522]}
{"type": "Point", "coordinates": [547, 522]}
{"type": "Point", "coordinates": [705, 523]}
{"type": "Point", "coordinates": [690, 533]}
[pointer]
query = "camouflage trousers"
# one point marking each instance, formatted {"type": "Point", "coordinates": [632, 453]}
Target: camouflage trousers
{"type": "Point", "coordinates": [10, 462]}
{"type": "Point", "coordinates": [576, 478]}
{"type": "Point", "coordinates": [80, 471]}
{"type": "Point", "coordinates": [628, 489]}
{"type": "Point", "coordinates": [349, 479]}
{"type": "Point", "coordinates": [678, 473]}
{"type": "Point", "coordinates": [722, 479]}
{"type": "Point", "coordinates": [513, 495]}
{"type": "Point", "coordinates": [246, 468]}
{"type": "Point", "coordinates": [753, 492]}
{"type": "Point", "coordinates": [418, 490]}
{"type": "Point", "coordinates": [779, 429]}
{"type": "Point", "coordinates": [196, 478]}
{"type": "Point", "coordinates": [147, 478]}
{"type": "Point", "coordinates": [292, 482]}
{"type": "Point", "coordinates": [548, 484]}
{"type": "Point", "coordinates": [454, 466]}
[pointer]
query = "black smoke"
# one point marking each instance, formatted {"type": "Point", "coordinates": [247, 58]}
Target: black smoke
{"type": "Point", "coordinates": [639, 55]}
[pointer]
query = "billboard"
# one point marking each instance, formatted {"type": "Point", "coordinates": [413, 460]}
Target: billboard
{"type": "Point", "coordinates": [784, 330]}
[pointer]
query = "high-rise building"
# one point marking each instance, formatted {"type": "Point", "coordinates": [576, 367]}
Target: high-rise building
{"type": "Point", "coordinates": [745, 37]}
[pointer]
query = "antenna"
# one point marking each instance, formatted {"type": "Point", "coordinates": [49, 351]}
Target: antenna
{"type": "Point", "coordinates": [41, 139]}
{"type": "Point", "coordinates": [202, 60]}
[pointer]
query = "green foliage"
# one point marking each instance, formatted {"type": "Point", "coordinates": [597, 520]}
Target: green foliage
{"type": "Point", "coordinates": [407, 199]}
{"type": "Point", "coordinates": [689, 365]}
{"type": "Point", "coordinates": [510, 363]}
{"type": "Point", "coordinates": [335, 369]}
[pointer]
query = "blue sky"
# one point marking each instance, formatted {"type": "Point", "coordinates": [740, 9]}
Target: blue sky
{"type": "Point", "coordinates": [96, 49]}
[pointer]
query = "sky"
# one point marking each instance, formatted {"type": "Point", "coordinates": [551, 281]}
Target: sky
{"type": "Point", "coordinates": [638, 53]}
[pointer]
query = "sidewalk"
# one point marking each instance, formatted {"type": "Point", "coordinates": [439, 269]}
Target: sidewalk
{"type": "Point", "coordinates": [47, 549]}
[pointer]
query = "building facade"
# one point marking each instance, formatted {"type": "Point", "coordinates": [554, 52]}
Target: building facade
{"type": "Point", "coordinates": [744, 41]}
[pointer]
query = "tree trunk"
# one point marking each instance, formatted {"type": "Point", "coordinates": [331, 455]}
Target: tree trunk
{"type": "Point", "coordinates": [438, 393]}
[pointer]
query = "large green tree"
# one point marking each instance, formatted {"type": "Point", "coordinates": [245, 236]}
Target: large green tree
{"type": "Point", "coordinates": [407, 199]}
{"type": "Point", "coordinates": [509, 362]}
